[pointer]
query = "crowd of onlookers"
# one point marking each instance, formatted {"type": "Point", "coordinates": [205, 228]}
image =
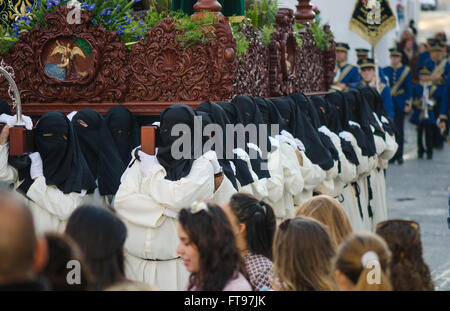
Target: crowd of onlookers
{"type": "Point", "coordinates": [237, 247]}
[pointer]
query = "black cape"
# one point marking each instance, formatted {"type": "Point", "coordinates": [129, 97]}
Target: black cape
{"type": "Point", "coordinates": [219, 117]}
{"type": "Point", "coordinates": [99, 150]}
{"type": "Point", "coordinates": [63, 162]}
{"type": "Point", "coordinates": [124, 131]}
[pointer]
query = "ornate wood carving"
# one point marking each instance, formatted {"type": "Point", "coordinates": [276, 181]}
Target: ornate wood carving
{"type": "Point", "coordinates": [304, 12]}
{"type": "Point", "coordinates": [71, 67]}
{"type": "Point", "coordinates": [162, 70]}
{"type": "Point", "coordinates": [252, 76]}
{"type": "Point", "coordinates": [284, 55]}
{"type": "Point", "coordinates": [206, 5]}
{"type": "Point", "coordinates": [95, 62]}
{"type": "Point", "coordinates": [223, 61]}
{"type": "Point", "coordinates": [310, 66]}
{"type": "Point", "coordinates": [329, 62]}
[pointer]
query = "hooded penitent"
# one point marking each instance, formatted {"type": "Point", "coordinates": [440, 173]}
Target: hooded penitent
{"type": "Point", "coordinates": [271, 115]}
{"type": "Point", "coordinates": [329, 116]}
{"type": "Point", "coordinates": [302, 129]}
{"type": "Point", "coordinates": [359, 112]}
{"type": "Point", "coordinates": [313, 115]}
{"type": "Point", "coordinates": [99, 150]}
{"type": "Point", "coordinates": [234, 116]}
{"type": "Point", "coordinates": [172, 116]}
{"type": "Point", "coordinates": [64, 165]}
{"type": "Point", "coordinates": [219, 117]}
{"type": "Point", "coordinates": [124, 131]}
{"type": "Point", "coordinates": [348, 116]}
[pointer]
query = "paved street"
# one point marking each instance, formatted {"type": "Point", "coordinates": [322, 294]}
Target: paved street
{"type": "Point", "coordinates": [418, 190]}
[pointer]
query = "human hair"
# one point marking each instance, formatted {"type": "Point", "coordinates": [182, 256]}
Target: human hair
{"type": "Point", "coordinates": [330, 213]}
{"type": "Point", "coordinates": [351, 256]}
{"type": "Point", "coordinates": [211, 233]}
{"type": "Point", "coordinates": [259, 220]}
{"type": "Point", "coordinates": [18, 238]}
{"type": "Point", "coordinates": [303, 253]}
{"type": "Point", "coordinates": [101, 236]}
{"type": "Point", "coordinates": [408, 268]}
{"type": "Point", "coordinates": [61, 250]}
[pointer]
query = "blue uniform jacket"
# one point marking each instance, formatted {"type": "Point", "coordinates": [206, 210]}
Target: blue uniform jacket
{"type": "Point", "coordinates": [351, 77]}
{"type": "Point", "coordinates": [404, 91]}
{"type": "Point", "coordinates": [438, 94]}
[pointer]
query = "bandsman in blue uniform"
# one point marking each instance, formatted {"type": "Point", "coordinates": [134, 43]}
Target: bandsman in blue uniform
{"type": "Point", "coordinates": [400, 79]}
{"type": "Point", "coordinates": [368, 77]}
{"type": "Point", "coordinates": [364, 54]}
{"type": "Point", "coordinates": [440, 76]}
{"type": "Point", "coordinates": [424, 56]}
{"type": "Point", "coordinates": [346, 74]}
{"type": "Point", "coordinates": [425, 97]}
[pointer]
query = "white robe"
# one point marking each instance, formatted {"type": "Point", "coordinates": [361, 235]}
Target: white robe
{"type": "Point", "coordinates": [51, 208]}
{"type": "Point", "coordinates": [149, 206]}
{"type": "Point", "coordinates": [313, 175]}
{"type": "Point", "coordinates": [378, 181]}
{"type": "Point", "coordinates": [285, 165]}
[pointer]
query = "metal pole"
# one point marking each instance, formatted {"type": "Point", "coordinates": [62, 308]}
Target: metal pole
{"type": "Point", "coordinates": [377, 74]}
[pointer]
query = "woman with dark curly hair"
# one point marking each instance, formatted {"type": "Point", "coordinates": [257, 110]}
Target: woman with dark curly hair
{"type": "Point", "coordinates": [253, 223]}
{"type": "Point", "coordinates": [408, 268]}
{"type": "Point", "coordinates": [208, 250]}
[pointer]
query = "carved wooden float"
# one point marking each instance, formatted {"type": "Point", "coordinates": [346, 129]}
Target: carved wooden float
{"type": "Point", "coordinates": [53, 73]}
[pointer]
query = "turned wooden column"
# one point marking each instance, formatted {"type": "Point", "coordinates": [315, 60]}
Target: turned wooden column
{"type": "Point", "coordinates": [206, 5]}
{"type": "Point", "coordinates": [304, 12]}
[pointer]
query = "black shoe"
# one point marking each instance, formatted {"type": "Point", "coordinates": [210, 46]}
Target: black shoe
{"type": "Point", "coordinates": [429, 156]}
{"type": "Point", "coordinates": [400, 161]}
{"type": "Point", "coordinates": [391, 161]}
{"type": "Point", "coordinates": [420, 155]}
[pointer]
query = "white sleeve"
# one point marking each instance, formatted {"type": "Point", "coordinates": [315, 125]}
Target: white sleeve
{"type": "Point", "coordinates": [293, 179]}
{"type": "Point", "coordinates": [275, 184]}
{"type": "Point", "coordinates": [391, 148]}
{"type": "Point", "coordinates": [54, 200]}
{"type": "Point", "coordinates": [363, 167]}
{"type": "Point", "coordinates": [197, 185]}
{"type": "Point", "coordinates": [135, 204]}
{"type": "Point", "coordinates": [223, 194]}
{"type": "Point", "coordinates": [380, 144]}
{"type": "Point", "coordinates": [327, 185]}
{"type": "Point", "coordinates": [7, 172]}
{"type": "Point", "coordinates": [312, 174]}
{"type": "Point", "coordinates": [348, 170]}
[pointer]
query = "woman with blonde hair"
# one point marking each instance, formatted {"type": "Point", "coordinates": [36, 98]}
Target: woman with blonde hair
{"type": "Point", "coordinates": [329, 212]}
{"type": "Point", "coordinates": [362, 264]}
{"type": "Point", "coordinates": [303, 253]}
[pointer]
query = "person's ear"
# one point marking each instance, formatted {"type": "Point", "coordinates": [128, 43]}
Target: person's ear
{"type": "Point", "coordinates": [40, 255]}
{"type": "Point", "coordinates": [242, 228]}
{"type": "Point", "coordinates": [343, 282]}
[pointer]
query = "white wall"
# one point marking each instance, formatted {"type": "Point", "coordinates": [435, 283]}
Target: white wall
{"type": "Point", "coordinates": [338, 13]}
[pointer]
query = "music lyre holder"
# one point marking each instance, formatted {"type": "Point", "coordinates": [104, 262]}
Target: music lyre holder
{"type": "Point", "coordinates": [18, 144]}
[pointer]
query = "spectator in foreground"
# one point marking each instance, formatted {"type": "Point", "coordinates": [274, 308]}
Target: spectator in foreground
{"type": "Point", "coordinates": [101, 236]}
{"type": "Point", "coordinates": [302, 255]}
{"type": "Point", "coordinates": [253, 223]}
{"type": "Point", "coordinates": [408, 268]}
{"type": "Point", "coordinates": [208, 250]}
{"type": "Point", "coordinates": [362, 264]}
{"type": "Point", "coordinates": [330, 213]}
{"type": "Point", "coordinates": [61, 250]}
{"type": "Point", "coordinates": [23, 255]}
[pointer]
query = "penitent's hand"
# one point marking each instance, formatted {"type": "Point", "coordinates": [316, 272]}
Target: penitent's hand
{"type": "Point", "coordinates": [299, 157]}
{"type": "Point", "coordinates": [4, 135]}
{"type": "Point", "coordinates": [217, 181]}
